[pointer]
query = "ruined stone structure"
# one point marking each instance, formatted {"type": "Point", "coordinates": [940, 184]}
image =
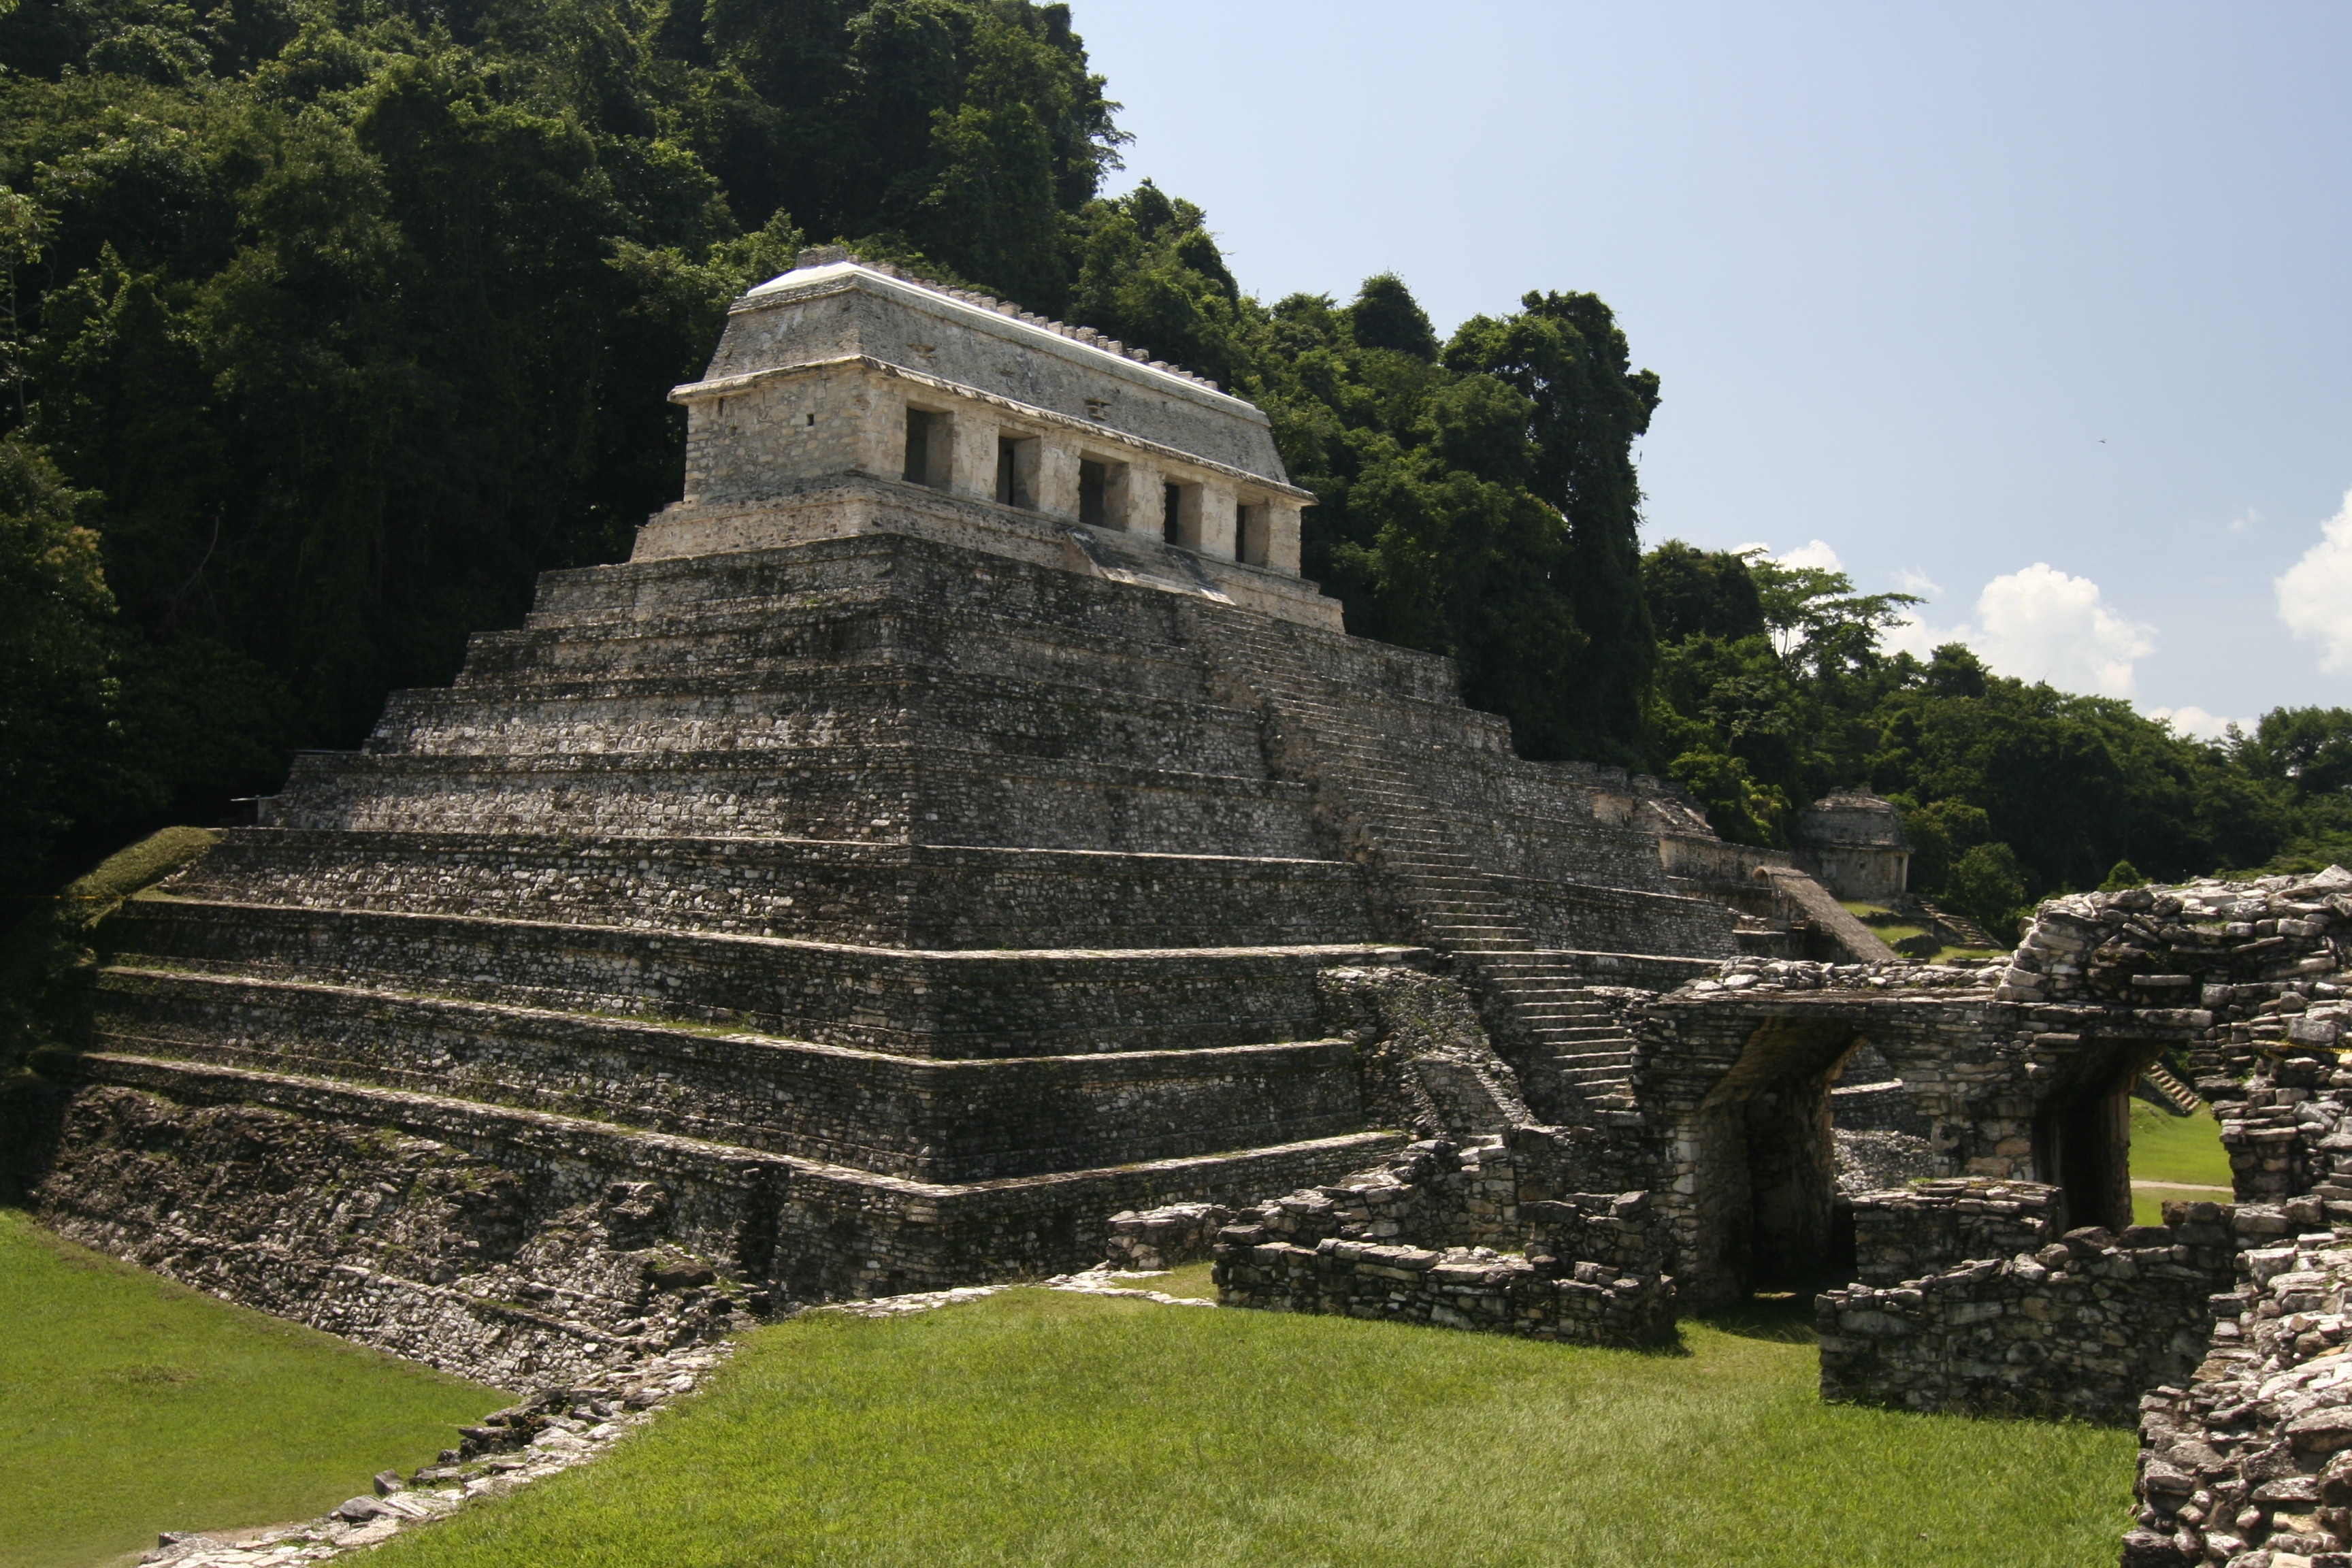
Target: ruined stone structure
{"type": "Point", "coordinates": [956, 823]}
{"type": "Point", "coordinates": [1853, 844]}
{"type": "Point", "coordinates": [2034, 1321]}
{"type": "Point", "coordinates": [1417, 1242]}
{"type": "Point", "coordinates": [958, 838]}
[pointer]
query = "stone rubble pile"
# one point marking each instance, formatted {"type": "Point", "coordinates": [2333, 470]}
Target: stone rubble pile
{"type": "Point", "coordinates": [1165, 1238]}
{"type": "Point", "coordinates": [1413, 1242]}
{"type": "Point", "coordinates": [507, 1449]}
{"type": "Point", "coordinates": [2249, 1463]}
{"type": "Point", "coordinates": [2282, 1131]}
{"type": "Point", "coordinates": [1804, 974]}
{"type": "Point", "coordinates": [2244, 954]}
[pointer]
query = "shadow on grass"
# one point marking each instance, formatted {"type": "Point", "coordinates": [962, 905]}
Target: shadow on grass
{"type": "Point", "coordinates": [1782, 1317]}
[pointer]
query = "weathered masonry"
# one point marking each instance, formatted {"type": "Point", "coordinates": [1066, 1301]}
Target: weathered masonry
{"type": "Point", "coordinates": [957, 822]}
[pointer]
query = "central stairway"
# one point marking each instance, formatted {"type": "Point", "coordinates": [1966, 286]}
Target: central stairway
{"type": "Point", "coordinates": [1575, 1058]}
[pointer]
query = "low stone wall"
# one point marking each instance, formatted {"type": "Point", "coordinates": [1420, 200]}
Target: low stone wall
{"type": "Point", "coordinates": [1460, 1288]}
{"type": "Point", "coordinates": [1165, 1238]}
{"type": "Point", "coordinates": [1459, 1238]}
{"type": "Point", "coordinates": [1907, 1233]}
{"type": "Point", "coordinates": [2078, 1328]}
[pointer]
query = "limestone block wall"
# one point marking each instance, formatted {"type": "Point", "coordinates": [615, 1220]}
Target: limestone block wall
{"type": "Point", "coordinates": [749, 440]}
{"type": "Point", "coordinates": [841, 310]}
{"type": "Point", "coordinates": [2078, 1328]}
{"type": "Point", "coordinates": [1908, 1232]}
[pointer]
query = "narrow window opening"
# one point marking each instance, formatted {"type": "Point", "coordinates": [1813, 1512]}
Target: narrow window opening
{"type": "Point", "coordinates": [922, 429]}
{"type": "Point", "coordinates": [1250, 534]}
{"type": "Point", "coordinates": [1016, 471]}
{"type": "Point", "coordinates": [1183, 525]}
{"type": "Point", "coordinates": [1094, 482]}
{"type": "Point", "coordinates": [812, 418]}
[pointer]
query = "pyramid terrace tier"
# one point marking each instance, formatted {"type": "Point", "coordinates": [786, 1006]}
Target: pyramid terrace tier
{"type": "Point", "coordinates": [865, 893]}
{"type": "Point", "coordinates": [921, 1118]}
{"type": "Point", "coordinates": [812, 1230]}
{"type": "Point", "coordinates": [969, 1004]}
{"type": "Point", "coordinates": [686, 714]}
{"type": "Point", "coordinates": [878, 597]}
{"type": "Point", "coordinates": [891, 794]}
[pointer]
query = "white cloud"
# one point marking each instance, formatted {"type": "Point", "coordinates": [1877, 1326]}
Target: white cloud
{"type": "Point", "coordinates": [1916, 637]}
{"type": "Point", "coordinates": [2191, 720]}
{"type": "Point", "coordinates": [2315, 596]}
{"type": "Point", "coordinates": [2245, 521]}
{"type": "Point", "coordinates": [1816, 553]}
{"type": "Point", "coordinates": [2039, 625]}
{"type": "Point", "coordinates": [1916, 582]}
{"type": "Point", "coordinates": [2042, 624]}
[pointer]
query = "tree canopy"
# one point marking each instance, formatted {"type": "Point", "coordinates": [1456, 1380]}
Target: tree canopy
{"type": "Point", "coordinates": [2009, 791]}
{"type": "Point", "coordinates": [329, 325]}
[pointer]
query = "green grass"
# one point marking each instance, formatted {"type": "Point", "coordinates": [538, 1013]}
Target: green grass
{"type": "Point", "coordinates": [1893, 926]}
{"type": "Point", "coordinates": [2184, 1152]}
{"type": "Point", "coordinates": [1045, 1428]}
{"type": "Point", "coordinates": [130, 1404]}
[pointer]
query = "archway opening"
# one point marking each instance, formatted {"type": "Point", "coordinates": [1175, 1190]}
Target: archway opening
{"type": "Point", "coordinates": [2082, 1133]}
{"type": "Point", "coordinates": [1767, 1166]}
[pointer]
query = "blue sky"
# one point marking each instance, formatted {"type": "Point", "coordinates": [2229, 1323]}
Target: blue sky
{"type": "Point", "coordinates": [2044, 311]}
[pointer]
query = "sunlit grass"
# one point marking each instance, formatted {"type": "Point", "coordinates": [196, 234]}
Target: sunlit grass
{"type": "Point", "coordinates": [2183, 1152]}
{"type": "Point", "coordinates": [1044, 1429]}
{"type": "Point", "coordinates": [130, 1404]}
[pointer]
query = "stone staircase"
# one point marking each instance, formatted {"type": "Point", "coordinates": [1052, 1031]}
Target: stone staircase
{"type": "Point", "coordinates": [1967, 932]}
{"type": "Point", "coordinates": [2159, 1084]}
{"type": "Point", "coordinates": [1575, 1060]}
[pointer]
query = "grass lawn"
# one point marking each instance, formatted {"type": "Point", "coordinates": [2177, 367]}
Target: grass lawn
{"type": "Point", "coordinates": [1044, 1429]}
{"type": "Point", "coordinates": [2182, 1152]}
{"type": "Point", "coordinates": [130, 1404]}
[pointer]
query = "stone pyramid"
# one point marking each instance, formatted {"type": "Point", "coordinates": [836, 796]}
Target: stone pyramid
{"type": "Point", "coordinates": [941, 835]}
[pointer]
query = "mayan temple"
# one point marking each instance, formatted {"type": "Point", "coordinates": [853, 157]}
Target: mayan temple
{"type": "Point", "coordinates": [943, 832]}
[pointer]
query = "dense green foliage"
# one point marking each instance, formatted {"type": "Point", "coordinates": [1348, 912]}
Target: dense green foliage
{"type": "Point", "coordinates": [330, 324]}
{"type": "Point", "coordinates": [1774, 689]}
{"type": "Point", "coordinates": [130, 1404]}
{"type": "Point", "coordinates": [1047, 1429]}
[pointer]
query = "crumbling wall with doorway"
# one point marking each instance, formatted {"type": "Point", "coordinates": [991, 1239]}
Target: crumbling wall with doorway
{"type": "Point", "coordinates": [1740, 1080]}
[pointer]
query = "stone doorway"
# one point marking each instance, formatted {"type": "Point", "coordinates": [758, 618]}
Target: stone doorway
{"type": "Point", "coordinates": [2081, 1134]}
{"type": "Point", "coordinates": [1767, 1203]}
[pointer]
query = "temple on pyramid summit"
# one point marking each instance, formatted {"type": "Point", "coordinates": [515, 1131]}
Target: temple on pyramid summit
{"type": "Point", "coordinates": [957, 822]}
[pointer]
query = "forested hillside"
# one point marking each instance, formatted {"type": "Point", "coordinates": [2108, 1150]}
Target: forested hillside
{"type": "Point", "coordinates": [330, 324]}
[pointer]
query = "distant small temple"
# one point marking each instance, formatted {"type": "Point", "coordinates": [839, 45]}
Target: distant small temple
{"type": "Point", "coordinates": [1852, 843]}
